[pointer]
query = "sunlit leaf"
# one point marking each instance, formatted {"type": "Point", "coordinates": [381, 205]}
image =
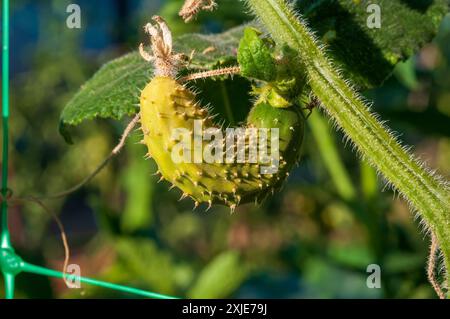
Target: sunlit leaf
{"type": "Point", "coordinates": [220, 278]}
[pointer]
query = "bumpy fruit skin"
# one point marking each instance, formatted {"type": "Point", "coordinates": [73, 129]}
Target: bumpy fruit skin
{"type": "Point", "coordinates": [166, 105]}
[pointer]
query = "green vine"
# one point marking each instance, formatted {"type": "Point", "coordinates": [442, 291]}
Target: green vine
{"type": "Point", "coordinates": [426, 192]}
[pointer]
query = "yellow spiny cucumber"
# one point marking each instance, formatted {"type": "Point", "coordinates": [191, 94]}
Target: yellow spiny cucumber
{"type": "Point", "coordinates": [167, 106]}
{"type": "Point", "coordinates": [207, 163]}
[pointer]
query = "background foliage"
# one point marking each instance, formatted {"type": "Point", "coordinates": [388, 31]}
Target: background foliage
{"type": "Point", "coordinates": [306, 241]}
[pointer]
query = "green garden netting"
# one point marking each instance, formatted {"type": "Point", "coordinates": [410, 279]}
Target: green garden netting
{"type": "Point", "coordinates": [11, 264]}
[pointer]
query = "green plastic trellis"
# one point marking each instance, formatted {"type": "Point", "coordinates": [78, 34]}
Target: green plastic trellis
{"type": "Point", "coordinates": [11, 264]}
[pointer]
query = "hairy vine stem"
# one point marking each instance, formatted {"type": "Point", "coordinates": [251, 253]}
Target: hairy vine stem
{"type": "Point", "coordinates": [431, 268]}
{"type": "Point", "coordinates": [426, 192]}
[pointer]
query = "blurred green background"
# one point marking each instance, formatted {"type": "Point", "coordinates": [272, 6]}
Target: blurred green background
{"type": "Point", "coordinates": [305, 242]}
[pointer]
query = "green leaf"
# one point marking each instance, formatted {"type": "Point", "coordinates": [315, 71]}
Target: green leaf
{"type": "Point", "coordinates": [220, 278]}
{"type": "Point", "coordinates": [113, 91]}
{"type": "Point", "coordinates": [255, 58]}
{"type": "Point", "coordinates": [368, 56]}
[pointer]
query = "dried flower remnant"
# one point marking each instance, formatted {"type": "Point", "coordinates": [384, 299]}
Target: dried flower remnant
{"type": "Point", "coordinates": [192, 7]}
